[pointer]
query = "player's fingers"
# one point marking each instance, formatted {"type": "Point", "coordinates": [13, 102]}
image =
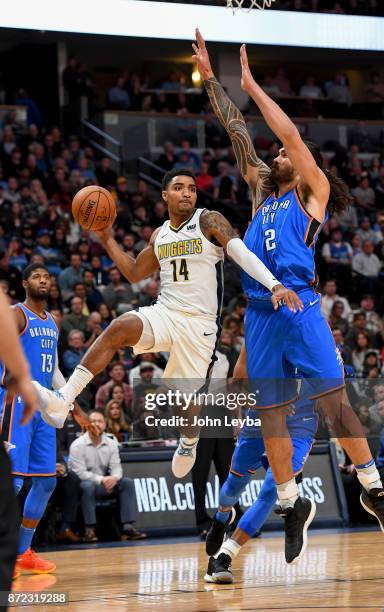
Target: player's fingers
{"type": "Point", "coordinates": [289, 302]}
{"type": "Point", "coordinates": [275, 303]}
{"type": "Point", "coordinates": [199, 38]}
{"type": "Point", "coordinates": [196, 50]}
{"type": "Point", "coordinates": [297, 301]}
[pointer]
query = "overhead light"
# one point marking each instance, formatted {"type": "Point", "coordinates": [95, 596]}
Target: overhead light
{"type": "Point", "coordinates": [196, 78]}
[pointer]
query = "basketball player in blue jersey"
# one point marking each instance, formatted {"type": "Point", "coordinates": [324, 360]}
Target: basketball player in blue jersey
{"type": "Point", "coordinates": [32, 448]}
{"type": "Point", "coordinates": [249, 455]}
{"type": "Point", "coordinates": [291, 203]}
{"type": "Point", "coordinates": [188, 251]}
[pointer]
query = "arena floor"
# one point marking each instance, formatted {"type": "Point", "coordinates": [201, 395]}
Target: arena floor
{"type": "Point", "coordinates": [340, 571]}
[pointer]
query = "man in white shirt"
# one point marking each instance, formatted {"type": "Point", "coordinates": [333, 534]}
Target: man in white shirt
{"type": "Point", "coordinates": [366, 262]}
{"type": "Point", "coordinates": [96, 461]}
{"type": "Point", "coordinates": [330, 297]}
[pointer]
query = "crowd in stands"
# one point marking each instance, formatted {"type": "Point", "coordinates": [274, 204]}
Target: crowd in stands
{"type": "Point", "coordinates": [175, 93]}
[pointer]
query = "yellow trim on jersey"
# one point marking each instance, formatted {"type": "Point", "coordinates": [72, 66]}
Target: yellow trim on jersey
{"type": "Point", "coordinates": [177, 229]}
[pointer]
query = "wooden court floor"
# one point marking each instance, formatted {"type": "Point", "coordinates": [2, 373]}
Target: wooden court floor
{"type": "Point", "coordinates": [342, 571]}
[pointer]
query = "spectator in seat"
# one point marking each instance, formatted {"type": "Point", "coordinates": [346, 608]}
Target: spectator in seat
{"type": "Point", "coordinates": [225, 187]}
{"type": "Point", "coordinates": [310, 89]}
{"type": "Point", "coordinates": [71, 275]}
{"type": "Point", "coordinates": [360, 349]}
{"type": "Point", "coordinates": [204, 180]}
{"type": "Point", "coordinates": [345, 351]}
{"type": "Point", "coordinates": [75, 351]}
{"type": "Point", "coordinates": [94, 329]}
{"type": "Point", "coordinates": [368, 265]}
{"type": "Point", "coordinates": [336, 318]}
{"type": "Point", "coordinates": [117, 376]}
{"type": "Point", "coordinates": [118, 96]}
{"type": "Point", "coordinates": [105, 175]}
{"type": "Point", "coordinates": [150, 292]}
{"type": "Point", "coordinates": [99, 274]}
{"type": "Point", "coordinates": [338, 254]}
{"type": "Point", "coordinates": [330, 296]}
{"type": "Point", "coordinates": [16, 254]}
{"type": "Point", "coordinates": [96, 461]}
{"type": "Point", "coordinates": [117, 291]}
{"type": "Point", "coordinates": [134, 373]}
{"type": "Point", "coordinates": [371, 362]}
{"type": "Point", "coordinates": [116, 421]}
{"type": "Point", "coordinates": [93, 295]}
{"type": "Point", "coordinates": [106, 315]}
{"type": "Point", "coordinates": [75, 319]}
{"type": "Point", "coordinates": [168, 158]}
{"type": "Point", "coordinates": [378, 397]}
{"type": "Point", "coordinates": [374, 323]}
{"type": "Point", "coordinates": [363, 193]}
{"type": "Point", "coordinates": [283, 83]}
{"type": "Point", "coordinates": [366, 231]}
{"type": "Point", "coordinates": [339, 93]}
{"type": "Point", "coordinates": [52, 257]}
{"type": "Point", "coordinates": [117, 394]}
{"type": "Point", "coordinates": [13, 277]}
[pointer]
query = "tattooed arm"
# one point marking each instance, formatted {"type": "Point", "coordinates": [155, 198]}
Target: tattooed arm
{"type": "Point", "coordinates": [252, 168]}
{"type": "Point", "coordinates": [217, 229]}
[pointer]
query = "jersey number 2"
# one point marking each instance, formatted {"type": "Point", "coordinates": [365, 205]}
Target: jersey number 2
{"type": "Point", "coordinates": [47, 364]}
{"type": "Point", "coordinates": [183, 270]}
{"type": "Point", "coordinates": [270, 242]}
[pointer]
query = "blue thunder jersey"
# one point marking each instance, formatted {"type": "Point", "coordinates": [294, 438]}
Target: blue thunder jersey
{"type": "Point", "coordinates": [283, 235]}
{"type": "Point", "coordinates": [39, 342]}
{"type": "Point", "coordinates": [31, 447]}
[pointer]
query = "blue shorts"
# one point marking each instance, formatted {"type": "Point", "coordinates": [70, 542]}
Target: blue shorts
{"type": "Point", "coordinates": [282, 346]}
{"type": "Point", "coordinates": [31, 447]}
{"type": "Point", "coordinates": [249, 455]}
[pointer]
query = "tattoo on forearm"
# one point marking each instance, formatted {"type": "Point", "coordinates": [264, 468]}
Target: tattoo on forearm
{"type": "Point", "coordinates": [216, 228]}
{"type": "Point", "coordinates": [233, 121]}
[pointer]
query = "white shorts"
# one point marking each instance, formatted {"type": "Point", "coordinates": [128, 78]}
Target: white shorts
{"type": "Point", "coordinates": [189, 339]}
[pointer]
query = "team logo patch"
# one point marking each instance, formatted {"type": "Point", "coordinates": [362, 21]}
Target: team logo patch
{"type": "Point", "coordinates": [191, 227]}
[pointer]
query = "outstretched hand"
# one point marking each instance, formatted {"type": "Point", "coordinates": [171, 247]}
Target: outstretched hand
{"type": "Point", "coordinates": [247, 80]}
{"type": "Point", "coordinates": [201, 57]}
{"type": "Point", "coordinates": [281, 294]}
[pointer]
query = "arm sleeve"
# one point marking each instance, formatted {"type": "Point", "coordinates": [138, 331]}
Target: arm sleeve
{"type": "Point", "coordinates": [58, 379]}
{"type": "Point", "coordinates": [77, 465]}
{"type": "Point", "coordinates": [115, 468]}
{"type": "Point", "coordinates": [250, 263]}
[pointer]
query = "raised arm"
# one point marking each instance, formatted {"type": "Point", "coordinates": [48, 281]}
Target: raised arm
{"type": "Point", "coordinates": [217, 229]}
{"type": "Point", "coordinates": [311, 176]}
{"type": "Point", "coordinates": [252, 168]}
{"type": "Point", "coordinates": [134, 270]}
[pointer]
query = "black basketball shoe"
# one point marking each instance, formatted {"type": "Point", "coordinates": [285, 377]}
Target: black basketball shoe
{"type": "Point", "coordinates": [219, 570]}
{"type": "Point", "coordinates": [216, 534]}
{"type": "Point", "coordinates": [373, 502]}
{"type": "Point", "coordinates": [297, 521]}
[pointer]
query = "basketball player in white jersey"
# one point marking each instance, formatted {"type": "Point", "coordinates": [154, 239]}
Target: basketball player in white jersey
{"type": "Point", "coordinates": [185, 321]}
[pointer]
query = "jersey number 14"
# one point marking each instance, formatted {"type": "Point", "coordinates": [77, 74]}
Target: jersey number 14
{"type": "Point", "coordinates": [183, 270]}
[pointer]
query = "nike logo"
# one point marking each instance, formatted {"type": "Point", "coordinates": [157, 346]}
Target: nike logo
{"type": "Point", "coordinates": [164, 235]}
{"type": "Point", "coordinates": [307, 418]}
{"type": "Point", "coordinates": [205, 334]}
{"type": "Point", "coordinates": [32, 318]}
{"type": "Point", "coordinates": [314, 302]}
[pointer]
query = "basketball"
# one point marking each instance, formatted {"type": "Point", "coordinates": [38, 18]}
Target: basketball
{"type": "Point", "coordinates": [94, 208]}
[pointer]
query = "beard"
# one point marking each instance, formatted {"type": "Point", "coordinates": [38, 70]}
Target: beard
{"type": "Point", "coordinates": [38, 294]}
{"type": "Point", "coordinates": [278, 176]}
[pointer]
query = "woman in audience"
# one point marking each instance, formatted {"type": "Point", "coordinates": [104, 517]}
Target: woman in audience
{"type": "Point", "coordinates": [359, 352]}
{"type": "Point", "coordinates": [336, 318]}
{"type": "Point", "coordinates": [116, 421]}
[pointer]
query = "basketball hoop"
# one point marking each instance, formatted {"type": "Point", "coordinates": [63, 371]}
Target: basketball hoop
{"type": "Point", "coordinates": [248, 5]}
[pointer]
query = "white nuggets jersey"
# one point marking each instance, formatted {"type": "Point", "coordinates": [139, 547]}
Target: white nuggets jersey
{"type": "Point", "coordinates": [191, 269]}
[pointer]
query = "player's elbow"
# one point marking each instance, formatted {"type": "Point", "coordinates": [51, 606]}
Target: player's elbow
{"type": "Point", "coordinates": [291, 136]}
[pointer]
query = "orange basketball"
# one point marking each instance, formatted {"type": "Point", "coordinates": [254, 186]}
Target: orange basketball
{"type": "Point", "coordinates": [94, 208]}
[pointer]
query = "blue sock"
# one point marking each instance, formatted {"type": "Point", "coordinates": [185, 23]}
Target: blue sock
{"type": "Point", "coordinates": [25, 538]}
{"type": "Point", "coordinates": [222, 517]}
{"type": "Point", "coordinates": [34, 507]}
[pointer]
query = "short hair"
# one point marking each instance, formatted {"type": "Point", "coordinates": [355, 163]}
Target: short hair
{"type": "Point", "coordinates": [74, 332]}
{"type": "Point", "coordinates": [176, 172]}
{"type": "Point", "coordinates": [31, 268]}
{"type": "Point", "coordinates": [115, 363]}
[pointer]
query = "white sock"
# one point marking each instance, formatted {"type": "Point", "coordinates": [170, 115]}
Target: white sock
{"type": "Point", "coordinates": [369, 477]}
{"type": "Point", "coordinates": [188, 441]}
{"type": "Point", "coordinates": [229, 547]}
{"type": "Point", "coordinates": [287, 493]}
{"type": "Point", "coordinates": [78, 380]}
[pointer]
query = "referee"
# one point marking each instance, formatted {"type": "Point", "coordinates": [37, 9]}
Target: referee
{"type": "Point", "coordinates": [12, 356]}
